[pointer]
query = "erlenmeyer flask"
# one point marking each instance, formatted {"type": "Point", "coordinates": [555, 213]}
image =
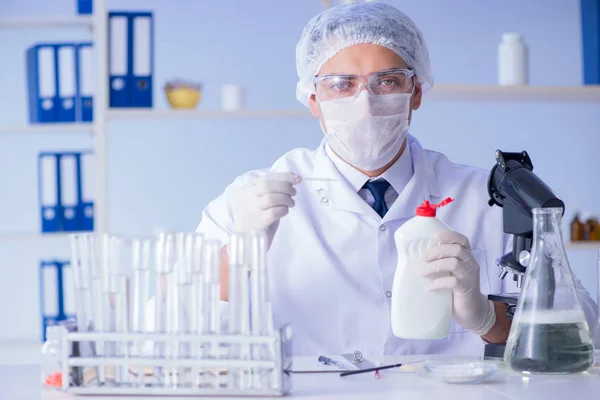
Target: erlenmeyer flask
{"type": "Point", "coordinates": [549, 333]}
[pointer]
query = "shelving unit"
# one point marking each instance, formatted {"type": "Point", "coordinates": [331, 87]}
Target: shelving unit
{"type": "Point", "coordinates": [563, 94]}
{"type": "Point", "coordinates": [46, 22]}
{"type": "Point", "coordinates": [114, 114]}
{"type": "Point", "coordinates": [48, 128]}
{"type": "Point", "coordinates": [97, 23]}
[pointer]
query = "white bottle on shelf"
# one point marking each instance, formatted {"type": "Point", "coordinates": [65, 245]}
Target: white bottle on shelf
{"type": "Point", "coordinates": [512, 60]}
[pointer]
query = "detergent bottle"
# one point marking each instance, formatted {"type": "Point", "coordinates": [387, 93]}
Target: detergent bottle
{"type": "Point", "coordinates": [417, 312]}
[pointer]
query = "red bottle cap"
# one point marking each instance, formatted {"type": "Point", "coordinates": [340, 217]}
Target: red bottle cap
{"type": "Point", "coordinates": [428, 210]}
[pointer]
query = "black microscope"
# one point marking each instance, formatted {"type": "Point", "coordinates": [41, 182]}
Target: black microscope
{"type": "Point", "coordinates": [513, 186]}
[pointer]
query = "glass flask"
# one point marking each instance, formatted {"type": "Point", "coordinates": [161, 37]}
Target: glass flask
{"type": "Point", "coordinates": [549, 332]}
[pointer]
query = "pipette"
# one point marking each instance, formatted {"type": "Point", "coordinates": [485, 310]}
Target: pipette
{"type": "Point", "coordinates": [316, 179]}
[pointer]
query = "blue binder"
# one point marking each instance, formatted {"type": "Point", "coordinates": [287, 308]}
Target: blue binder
{"type": "Point", "coordinates": [52, 293]}
{"type": "Point", "coordinates": [141, 43]}
{"type": "Point", "coordinates": [67, 80]}
{"type": "Point", "coordinates": [590, 30]}
{"type": "Point", "coordinates": [118, 59]}
{"type": "Point", "coordinates": [42, 82]}
{"type": "Point", "coordinates": [69, 190]}
{"type": "Point", "coordinates": [86, 184]}
{"type": "Point", "coordinates": [131, 59]}
{"type": "Point", "coordinates": [84, 79]}
{"type": "Point", "coordinates": [49, 192]}
{"type": "Point", "coordinates": [85, 6]}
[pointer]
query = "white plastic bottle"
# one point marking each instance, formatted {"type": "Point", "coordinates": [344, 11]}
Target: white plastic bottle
{"type": "Point", "coordinates": [512, 60]}
{"type": "Point", "coordinates": [417, 312]}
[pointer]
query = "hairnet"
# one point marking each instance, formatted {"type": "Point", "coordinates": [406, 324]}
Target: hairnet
{"type": "Point", "coordinates": [343, 26]}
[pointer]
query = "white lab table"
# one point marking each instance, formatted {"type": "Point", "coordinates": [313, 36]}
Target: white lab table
{"type": "Point", "coordinates": [20, 382]}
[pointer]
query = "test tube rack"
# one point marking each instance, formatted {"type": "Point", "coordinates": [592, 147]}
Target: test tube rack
{"type": "Point", "coordinates": [269, 374]}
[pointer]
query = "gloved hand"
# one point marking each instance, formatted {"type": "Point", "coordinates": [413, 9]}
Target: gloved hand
{"type": "Point", "coordinates": [260, 204]}
{"type": "Point", "coordinates": [470, 307]}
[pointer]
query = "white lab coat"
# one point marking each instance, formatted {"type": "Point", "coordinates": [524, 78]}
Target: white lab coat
{"type": "Point", "coordinates": [332, 260]}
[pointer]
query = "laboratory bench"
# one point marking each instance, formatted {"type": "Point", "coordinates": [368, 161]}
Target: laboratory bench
{"type": "Point", "coordinates": [22, 381]}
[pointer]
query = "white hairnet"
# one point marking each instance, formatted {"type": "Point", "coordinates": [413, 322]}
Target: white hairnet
{"type": "Point", "coordinates": [343, 26]}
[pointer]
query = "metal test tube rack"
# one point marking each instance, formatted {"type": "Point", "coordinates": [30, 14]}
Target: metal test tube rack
{"type": "Point", "coordinates": [276, 365]}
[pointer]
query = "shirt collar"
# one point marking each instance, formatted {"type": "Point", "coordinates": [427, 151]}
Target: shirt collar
{"type": "Point", "coordinates": [398, 175]}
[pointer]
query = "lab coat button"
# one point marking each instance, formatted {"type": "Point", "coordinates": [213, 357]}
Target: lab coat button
{"type": "Point", "coordinates": [388, 293]}
{"type": "Point", "coordinates": [324, 200]}
{"type": "Point", "coordinates": [382, 228]}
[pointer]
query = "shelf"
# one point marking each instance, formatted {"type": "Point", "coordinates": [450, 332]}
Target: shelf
{"type": "Point", "coordinates": [452, 93]}
{"type": "Point", "coordinates": [583, 245]}
{"type": "Point", "coordinates": [36, 236]}
{"type": "Point", "coordinates": [570, 94]}
{"type": "Point", "coordinates": [48, 127]}
{"type": "Point", "coordinates": [45, 22]}
{"type": "Point", "coordinates": [136, 113]}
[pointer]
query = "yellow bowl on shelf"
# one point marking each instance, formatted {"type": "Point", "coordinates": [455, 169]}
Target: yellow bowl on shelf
{"type": "Point", "coordinates": [183, 97]}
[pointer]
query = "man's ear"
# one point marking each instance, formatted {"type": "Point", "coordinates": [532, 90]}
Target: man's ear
{"type": "Point", "coordinates": [315, 108]}
{"type": "Point", "coordinates": [417, 96]}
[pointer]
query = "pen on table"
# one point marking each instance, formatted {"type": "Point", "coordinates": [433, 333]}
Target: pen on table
{"type": "Point", "coordinates": [328, 361]}
{"type": "Point", "coordinates": [360, 371]}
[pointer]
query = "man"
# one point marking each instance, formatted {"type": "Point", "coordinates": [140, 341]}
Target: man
{"type": "Point", "coordinates": [363, 69]}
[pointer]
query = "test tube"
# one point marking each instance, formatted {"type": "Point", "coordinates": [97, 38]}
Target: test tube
{"type": "Point", "coordinates": [118, 282]}
{"type": "Point", "coordinates": [160, 298]}
{"type": "Point", "coordinates": [197, 309]}
{"type": "Point", "coordinates": [236, 250]}
{"type": "Point", "coordinates": [82, 282]}
{"type": "Point", "coordinates": [90, 251]}
{"type": "Point", "coordinates": [211, 261]}
{"type": "Point", "coordinates": [108, 285]}
{"type": "Point", "coordinates": [259, 299]}
{"type": "Point", "coordinates": [179, 294]}
{"type": "Point", "coordinates": [141, 255]}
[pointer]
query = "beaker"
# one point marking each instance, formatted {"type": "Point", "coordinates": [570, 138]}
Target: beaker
{"type": "Point", "coordinates": [549, 332]}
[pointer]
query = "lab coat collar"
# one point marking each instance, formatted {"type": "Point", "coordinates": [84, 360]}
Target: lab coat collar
{"type": "Point", "coordinates": [343, 194]}
{"type": "Point", "coordinates": [340, 193]}
{"type": "Point", "coordinates": [397, 175]}
{"type": "Point", "coordinates": [421, 186]}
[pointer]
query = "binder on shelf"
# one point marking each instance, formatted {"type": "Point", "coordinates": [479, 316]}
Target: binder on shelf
{"type": "Point", "coordinates": [141, 44]}
{"type": "Point", "coordinates": [118, 59]}
{"type": "Point", "coordinates": [53, 288]}
{"type": "Point", "coordinates": [42, 83]}
{"type": "Point", "coordinates": [66, 182]}
{"type": "Point", "coordinates": [69, 182]}
{"type": "Point", "coordinates": [49, 192]}
{"type": "Point", "coordinates": [87, 184]}
{"type": "Point", "coordinates": [67, 71]}
{"type": "Point", "coordinates": [131, 59]}
{"type": "Point", "coordinates": [85, 7]}
{"type": "Point", "coordinates": [85, 71]}
{"type": "Point", "coordinates": [590, 32]}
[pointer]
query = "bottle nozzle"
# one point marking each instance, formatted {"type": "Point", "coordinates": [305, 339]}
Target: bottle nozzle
{"type": "Point", "coordinates": [429, 210]}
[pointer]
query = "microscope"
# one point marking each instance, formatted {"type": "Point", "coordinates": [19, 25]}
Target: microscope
{"type": "Point", "coordinates": [513, 186]}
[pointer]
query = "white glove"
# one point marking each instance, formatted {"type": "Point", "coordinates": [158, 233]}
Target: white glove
{"type": "Point", "coordinates": [470, 307]}
{"type": "Point", "coordinates": [260, 204]}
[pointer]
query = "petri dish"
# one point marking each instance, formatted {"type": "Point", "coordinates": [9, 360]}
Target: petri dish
{"type": "Point", "coordinates": [459, 372]}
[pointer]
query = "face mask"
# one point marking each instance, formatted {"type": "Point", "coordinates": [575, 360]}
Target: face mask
{"type": "Point", "coordinates": [368, 131]}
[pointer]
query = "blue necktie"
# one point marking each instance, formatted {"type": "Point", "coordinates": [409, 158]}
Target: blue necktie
{"type": "Point", "coordinates": [378, 189]}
